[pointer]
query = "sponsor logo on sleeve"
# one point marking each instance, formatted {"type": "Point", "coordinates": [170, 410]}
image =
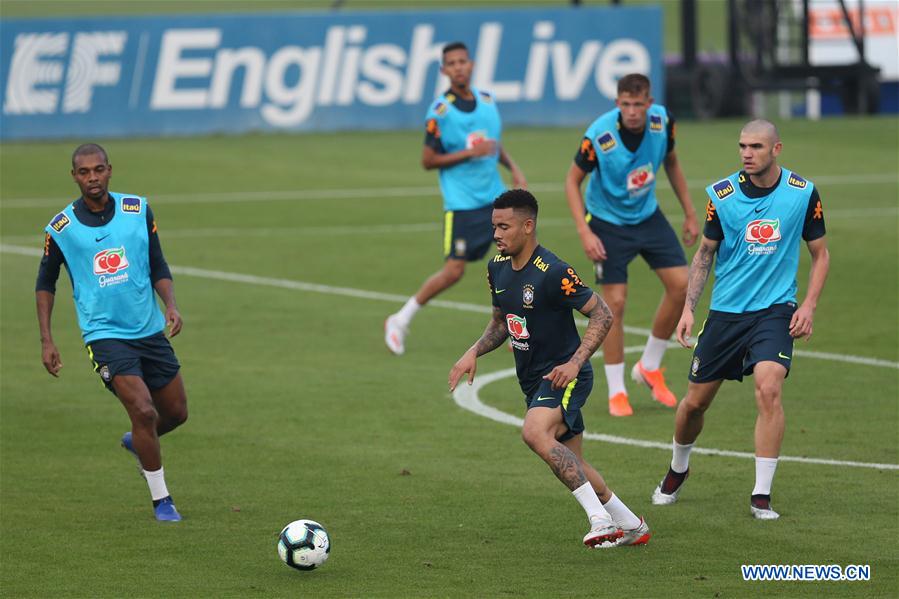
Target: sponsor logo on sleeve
{"type": "Point", "coordinates": [60, 222]}
{"type": "Point", "coordinates": [710, 211]}
{"type": "Point", "coordinates": [655, 123]}
{"type": "Point", "coordinates": [819, 211]}
{"type": "Point", "coordinates": [131, 205]}
{"type": "Point", "coordinates": [797, 181]}
{"type": "Point", "coordinates": [440, 108]}
{"type": "Point", "coordinates": [486, 96]}
{"type": "Point", "coordinates": [606, 142]}
{"type": "Point", "coordinates": [723, 188]}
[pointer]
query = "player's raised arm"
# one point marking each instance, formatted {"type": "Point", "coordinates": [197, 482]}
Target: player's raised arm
{"type": "Point", "coordinates": [494, 336]}
{"type": "Point", "coordinates": [699, 274]}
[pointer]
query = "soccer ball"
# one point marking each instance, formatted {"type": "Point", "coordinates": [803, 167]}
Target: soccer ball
{"type": "Point", "coordinates": [304, 545]}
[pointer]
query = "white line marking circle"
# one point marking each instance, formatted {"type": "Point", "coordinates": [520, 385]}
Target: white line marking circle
{"type": "Point", "coordinates": [466, 397]}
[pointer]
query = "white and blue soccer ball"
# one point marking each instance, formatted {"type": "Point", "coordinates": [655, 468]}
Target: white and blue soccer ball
{"type": "Point", "coordinates": [304, 545]}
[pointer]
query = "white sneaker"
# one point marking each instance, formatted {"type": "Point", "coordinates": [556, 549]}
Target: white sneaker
{"type": "Point", "coordinates": [602, 531]}
{"type": "Point", "coordinates": [659, 498]}
{"type": "Point", "coordinates": [634, 536]}
{"type": "Point", "coordinates": [763, 513]}
{"type": "Point", "coordinates": [395, 335]}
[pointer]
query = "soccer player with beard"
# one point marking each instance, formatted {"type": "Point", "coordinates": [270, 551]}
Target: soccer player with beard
{"type": "Point", "coordinates": [534, 293]}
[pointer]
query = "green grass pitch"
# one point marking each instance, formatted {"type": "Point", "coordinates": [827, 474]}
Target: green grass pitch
{"type": "Point", "coordinates": [297, 409]}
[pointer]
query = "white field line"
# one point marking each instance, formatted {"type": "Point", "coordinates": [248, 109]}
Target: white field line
{"type": "Point", "coordinates": [388, 192]}
{"type": "Point", "coordinates": [466, 396]}
{"type": "Point", "coordinates": [402, 228]}
{"type": "Point", "coordinates": [234, 277]}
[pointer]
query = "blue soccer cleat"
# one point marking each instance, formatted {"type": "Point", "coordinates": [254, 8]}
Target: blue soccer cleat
{"type": "Point", "coordinates": [127, 445]}
{"type": "Point", "coordinates": [165, 510]}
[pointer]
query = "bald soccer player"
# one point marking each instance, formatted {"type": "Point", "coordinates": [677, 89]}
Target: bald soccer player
{"type": "Point", "coordinates": [755, 219]}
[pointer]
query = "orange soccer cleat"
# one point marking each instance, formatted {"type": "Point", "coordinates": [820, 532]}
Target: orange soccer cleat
{"type": "Point", "coordinates": [619, 405]}
{"type": "Point", "coordinates": [655, 380]}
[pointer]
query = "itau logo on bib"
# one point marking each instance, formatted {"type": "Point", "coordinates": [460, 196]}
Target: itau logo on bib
{"type": "Point", "coordinates": [110, 261]}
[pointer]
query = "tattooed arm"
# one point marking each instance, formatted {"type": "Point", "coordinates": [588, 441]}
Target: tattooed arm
{"type": "Point", "coordinates": [699, 275]}
{"type": "Point", "coordinates": [597, 328]}
{"type": "Point", "coordinates": [494, 336]}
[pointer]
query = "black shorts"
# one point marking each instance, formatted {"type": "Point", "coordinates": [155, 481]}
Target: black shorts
{"type": "Point", "coordinates": [571, 398]}
{"type": "Point", "coordinates": [467, 234]}
{"type": "Point", "coordinates": [730, 345]}
{"type": "Point", "coordinates": [151, 358]}
{"type": "Point", "coordinates": [654, 239]}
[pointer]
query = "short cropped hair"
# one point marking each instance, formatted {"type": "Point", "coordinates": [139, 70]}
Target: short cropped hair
{"type": "Point", "coordinates": [455, 46]}
{"type": "Point", "coordinates": [519, 200]}
{"type": "Point", "coordinates": [89, 150]}
{"type": "Point", "coordinates": [634, 84]}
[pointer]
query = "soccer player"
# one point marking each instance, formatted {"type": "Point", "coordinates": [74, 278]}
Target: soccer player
{"type": "Point", "coordinates": [462, 140]}
{"type": "Point", "coordinates": [534, 293]}
{"type": "Point", "coordinates": [621, 151]}
{"type": "Point", "coordinates": [110, 247]}
{"type": "Point", "coordinates": [755, 219]}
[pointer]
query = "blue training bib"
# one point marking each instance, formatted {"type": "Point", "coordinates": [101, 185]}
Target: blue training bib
{"type": "Point", "coordinates": [110, 271]}
{"type": "Point", "coordinates": [623, 191]}
{"type": "Point", "coordinates": [474, 183]}
{"type": "Point", "coordinates": [758, 258]}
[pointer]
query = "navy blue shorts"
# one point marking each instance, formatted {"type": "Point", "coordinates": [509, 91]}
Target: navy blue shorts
{"type": "Point", "coordinates": [467, 234]}
{"type": "Point", "coordinates": [151, 358]}
{"type": "Point", "coordinates": [730, 345]}
{"type": "Point", "coordinates": [654, 239]}
{"type": "Point", "coordinates": [572, 398]}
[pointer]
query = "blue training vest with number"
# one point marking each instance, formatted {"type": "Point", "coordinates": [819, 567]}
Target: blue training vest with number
{"type": "Point", "coordinates": [110, 277]}
{"type": "Point", "coordinates": [474, 183]}
{"type": "Point", "coordinates": [624, 192]}
{"type": "Point", "coordinates": [758, 258]}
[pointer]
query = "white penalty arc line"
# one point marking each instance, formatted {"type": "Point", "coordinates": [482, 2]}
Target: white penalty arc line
{"type": "Point", "coordinates": [467, 397]}
{"type": "Point", "coordinates": [234, 277]}
{"type": "Point", "coordinates": [364, 193]}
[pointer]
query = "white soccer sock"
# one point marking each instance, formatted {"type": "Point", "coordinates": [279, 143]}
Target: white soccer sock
{"type": "Point", "coordinates": [680, 456]}
{"type": "Point", "coordinates": [615, 378]}
{"type": "Point", "coordinates": [407, 312]}
{"type": "Point", "coordinates": [764, 475]}
{"type": "Point", "coordinates": [653, 352]}
{"type": "Point", "coordinates": [586, 496]}
{"type": "Point", "coordinates": [621, 514]}
{"type": "Point", "coordinates": [156, 482]}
